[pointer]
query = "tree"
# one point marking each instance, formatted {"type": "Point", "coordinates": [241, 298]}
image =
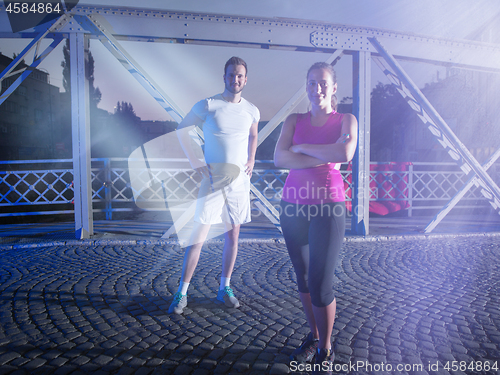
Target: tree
{"type": "Point", "coordinates": [66, 66]}
{"type": "Point", "coordinates": [126, 111]}
{"type": "Point", "coordinates": [94, 92]}
{"type": "Point", "coordinates": [22, 62]}
{"type": "Point", "coordinates": [98, 117]}
{"type": "Point", "coordinates": [127, 133]}
{"type": "Point", "coordinates": [390, 115]}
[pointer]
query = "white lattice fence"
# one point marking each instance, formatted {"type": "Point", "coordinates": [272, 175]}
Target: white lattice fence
{"type": "Point", "coordinates": [25, 188]}
{"type": "Point", "coordinates": [422, 185]}
{"type": "Point", "coordinates": [431, 185]}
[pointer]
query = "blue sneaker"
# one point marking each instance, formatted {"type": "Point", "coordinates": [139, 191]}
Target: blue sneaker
{"type": "Point", "coordinates": [226, 296]}
{"type": "Point", "coordinates": [178, 304]}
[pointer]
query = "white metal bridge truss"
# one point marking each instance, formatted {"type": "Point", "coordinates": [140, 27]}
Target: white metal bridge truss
{"type": "Point", "coordinates": [112, 25]}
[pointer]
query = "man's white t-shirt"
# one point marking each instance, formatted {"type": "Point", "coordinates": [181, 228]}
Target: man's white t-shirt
{"type": "Point", "coordinates": [226, 129]}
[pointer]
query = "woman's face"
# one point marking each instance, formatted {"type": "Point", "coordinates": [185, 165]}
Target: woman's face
{"type": "Point", "coordinates": [320, 87]}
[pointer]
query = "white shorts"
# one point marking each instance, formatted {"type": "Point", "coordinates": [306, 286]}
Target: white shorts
{"type": "Point", "coordinates": [230, 204]}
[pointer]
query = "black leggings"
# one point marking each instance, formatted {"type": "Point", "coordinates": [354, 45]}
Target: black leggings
{"type": "Point", "coordinates": [314, 235]}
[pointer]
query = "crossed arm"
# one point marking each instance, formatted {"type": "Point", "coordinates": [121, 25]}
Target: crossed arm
{"type": "Point", "coordinates": [302, 156]}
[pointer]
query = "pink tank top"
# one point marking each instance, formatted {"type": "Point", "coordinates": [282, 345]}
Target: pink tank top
{"type": "Point", "coordinates": [321, 184]}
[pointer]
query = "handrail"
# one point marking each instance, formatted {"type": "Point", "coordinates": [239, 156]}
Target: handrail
{"type": "Point", "coordinates": [31, 191]}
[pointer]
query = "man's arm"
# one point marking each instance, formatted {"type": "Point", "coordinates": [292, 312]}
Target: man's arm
{"type": "Point", "coordinates": [252, 148]}
{"type": "Point", "coordinates": [185, 127]}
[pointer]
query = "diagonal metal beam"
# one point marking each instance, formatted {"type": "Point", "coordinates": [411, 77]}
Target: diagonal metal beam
{"type": "Point", "coordinates": [463, 190]}
{"type": "Point", "coordinates": [181, 222]}
{"type": "Point", "coordinates": [431, 125]}
{"type": "Point", "coordinates": [435, 122]}
{"type": "Point", "coordinates": [37, 59]}
{"type": "Point", "coordinates": [56, 25]}
{"type": "Point", "coordinates": [266, 207]}
{"type": "Point", "coordinates": [96, 25]}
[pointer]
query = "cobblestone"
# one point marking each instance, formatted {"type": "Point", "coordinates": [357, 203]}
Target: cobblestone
{"type": "Point", "coordinates": [101, 309]}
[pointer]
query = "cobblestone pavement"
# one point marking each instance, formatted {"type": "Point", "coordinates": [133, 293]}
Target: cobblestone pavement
{"type": "Point", "coordinates": [404, 307]}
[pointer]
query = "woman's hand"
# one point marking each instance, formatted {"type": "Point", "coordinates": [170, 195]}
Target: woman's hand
{"type": "Point", "coordinates": [287, 155]}
{"type": "Point", "coordinates": [295, 149]}
{"type": "Point", "coordinates": [343, 138]}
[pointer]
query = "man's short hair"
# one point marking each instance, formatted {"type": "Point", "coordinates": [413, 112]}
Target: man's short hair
{"type": "Point", "coordinates": [236, 61]}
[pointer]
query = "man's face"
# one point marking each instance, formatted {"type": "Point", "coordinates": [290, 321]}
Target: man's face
{"type": "Point", "coordinates": [235, 78]}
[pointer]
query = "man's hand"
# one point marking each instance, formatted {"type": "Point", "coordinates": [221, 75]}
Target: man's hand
{"type": "Point", "coordinates": [249, 167]}
{"type": "Point", "coordinates": [203, 171]}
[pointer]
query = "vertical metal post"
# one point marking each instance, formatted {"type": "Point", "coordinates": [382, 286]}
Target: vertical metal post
{"type": "Point", "coordinates": [107, 189]}
{"type": "Point", "coordinates": [361, 161]}
{"type": "Point", "coordinates": [80, 124]}
{"type": "Point", "coordinates": [410, 190]}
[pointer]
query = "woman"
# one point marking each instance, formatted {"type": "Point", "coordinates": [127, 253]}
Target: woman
{"type": "Point", "coordinates": [312, 145]}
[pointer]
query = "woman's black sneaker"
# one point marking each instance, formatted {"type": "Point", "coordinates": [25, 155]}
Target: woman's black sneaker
{"type": "Point", "coordinates": [306, 351]}
{"type": "Point", "coordinates": [323, 361]}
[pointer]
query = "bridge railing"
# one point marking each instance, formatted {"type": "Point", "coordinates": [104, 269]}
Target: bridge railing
{"type": "Point", "coordinates": [45, 187]}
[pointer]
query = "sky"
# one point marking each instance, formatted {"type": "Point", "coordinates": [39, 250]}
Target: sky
{"type": "Point", "coordinates": [189, 73]}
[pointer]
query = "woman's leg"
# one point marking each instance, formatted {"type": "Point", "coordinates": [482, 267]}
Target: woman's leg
{"type": "Point", "coordinates": [326, 235]}
{"type": "Point", "coordinates": [305, 298]}
{"type": "Point", "coordinates": [325, 317]}
{"type": "Point", "coordinates": [296, 233]}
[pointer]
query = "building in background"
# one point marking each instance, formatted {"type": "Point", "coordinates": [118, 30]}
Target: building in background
{"type": "Point", "coordinates": [30, 126]}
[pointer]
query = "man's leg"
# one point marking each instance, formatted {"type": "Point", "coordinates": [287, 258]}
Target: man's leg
{"type": "Point", "coordinates": [191, 257]}
{"type": "Point", "coordinates": [232, 233]}
{"type": "Point", "coordinates": [225, 294]}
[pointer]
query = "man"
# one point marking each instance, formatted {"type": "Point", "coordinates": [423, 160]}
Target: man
{"type": "Point", "coordinates": [230, 128]}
